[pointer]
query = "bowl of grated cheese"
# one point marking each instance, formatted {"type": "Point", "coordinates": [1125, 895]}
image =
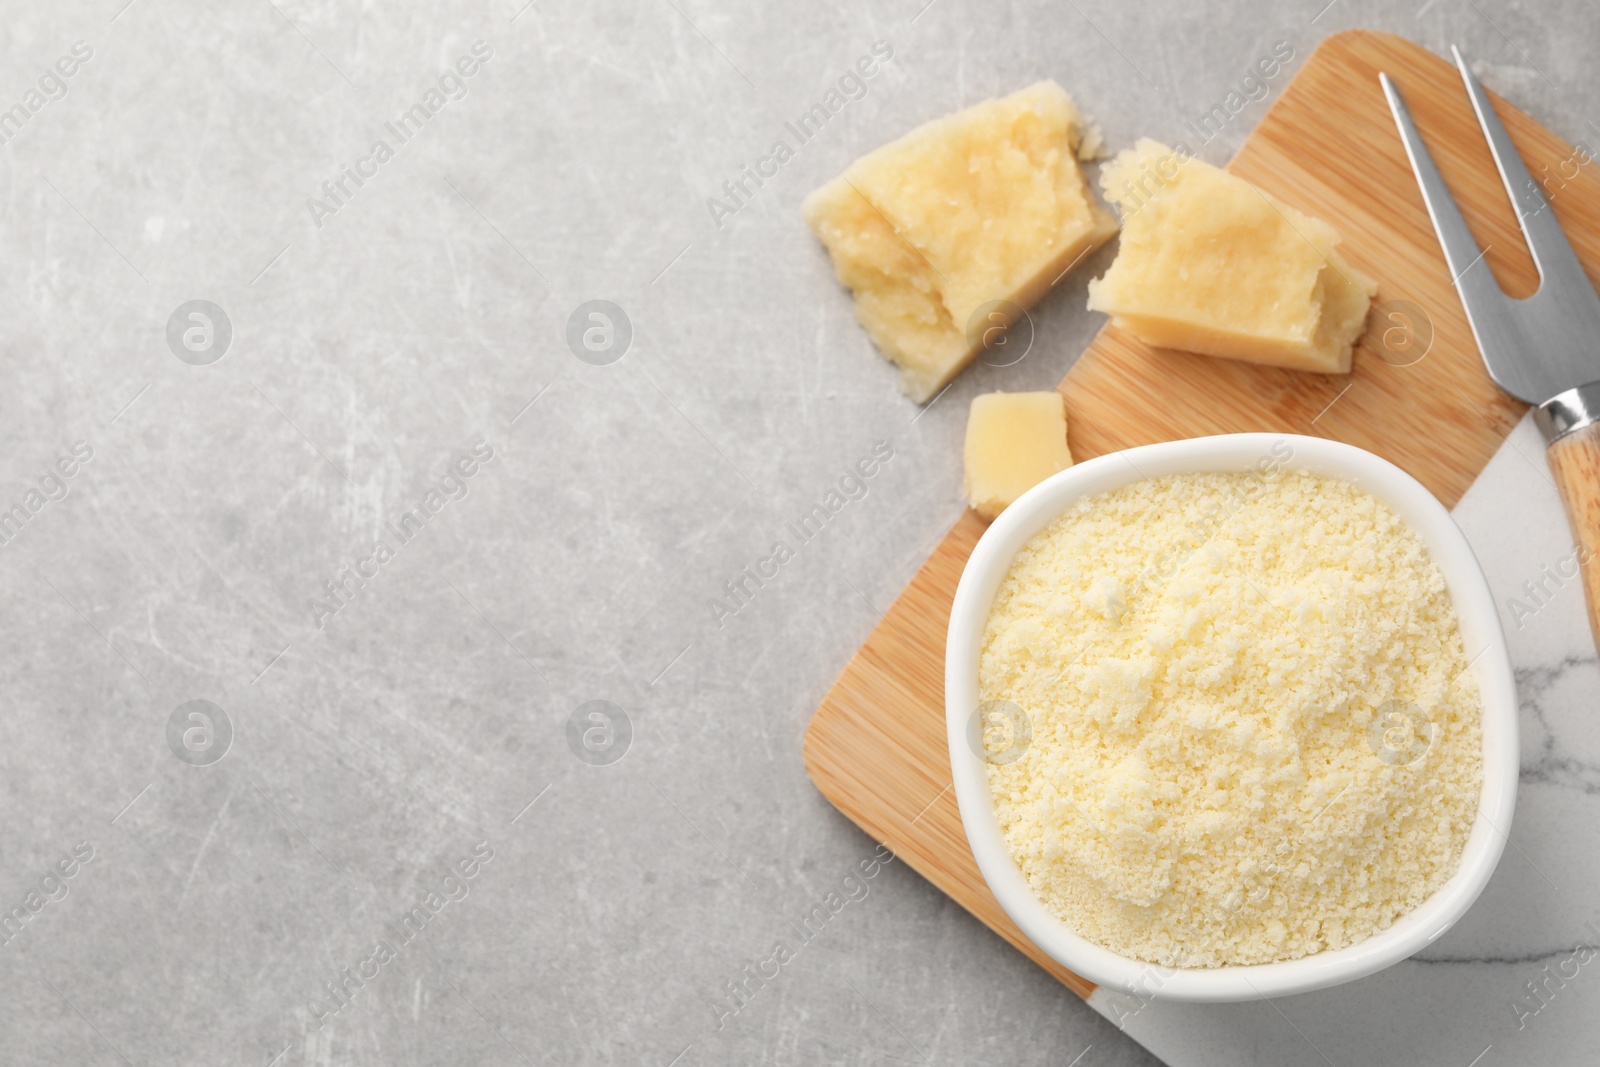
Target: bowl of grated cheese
{"type": "Point", "coordinates": [1230, 718]}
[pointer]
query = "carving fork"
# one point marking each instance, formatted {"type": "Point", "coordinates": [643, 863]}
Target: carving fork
{"type": "Point", "coordinates": [1544, 349]}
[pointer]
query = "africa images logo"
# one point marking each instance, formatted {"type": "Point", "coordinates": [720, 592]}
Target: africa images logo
{"type": "Point", "coordinates": [741, 189]}
{"type": "Point", "coordinates": [340, 590]}
{"type": "Point", "coordinates": [337, 192]}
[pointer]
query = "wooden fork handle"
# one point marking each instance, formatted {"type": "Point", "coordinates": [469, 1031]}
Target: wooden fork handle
{"type": "Point", "coordinates": [1571, 425]}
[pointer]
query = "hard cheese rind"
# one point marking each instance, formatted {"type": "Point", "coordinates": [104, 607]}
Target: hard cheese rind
{"type": "Point", "coordinates": [1209, 263]}
{"type": "Point", "coordinates": [988, 204]}
{"type": "Point", "coordinates": [1014, 442]}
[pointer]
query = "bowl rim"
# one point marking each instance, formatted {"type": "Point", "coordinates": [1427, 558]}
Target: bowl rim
{"type": "Point", "coordinates": [1479, 621]}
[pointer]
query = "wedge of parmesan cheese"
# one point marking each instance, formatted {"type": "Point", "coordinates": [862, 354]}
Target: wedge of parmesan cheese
{"type": "Point", "coordinates": [1014, 442]}
{"type": "Point", "coordinates": [987, 206]}
{"type": "Point", "coordinates": [1209, 263]}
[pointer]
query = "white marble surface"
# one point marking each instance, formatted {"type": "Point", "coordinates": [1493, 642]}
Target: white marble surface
{"type": "Point", "coordinates": [376, 745]}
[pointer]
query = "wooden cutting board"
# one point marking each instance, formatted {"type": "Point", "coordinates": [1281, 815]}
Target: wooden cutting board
{"type": "Point", "coordinates": [876, 746]}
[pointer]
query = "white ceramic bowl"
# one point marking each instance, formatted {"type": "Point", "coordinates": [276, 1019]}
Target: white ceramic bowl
{"type": "Point", "coordinates": [1480, 627]}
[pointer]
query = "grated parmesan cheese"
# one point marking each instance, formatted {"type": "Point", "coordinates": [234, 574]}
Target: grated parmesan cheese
{"type": "Point", "coordinates": [1254, 735]}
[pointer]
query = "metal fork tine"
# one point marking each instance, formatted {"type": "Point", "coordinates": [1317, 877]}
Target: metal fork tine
{"type": "Point", "coordinates": [1535, 348]}
{"type": "Point", "coordinates": [1475, 282]}
{"type": "Point", "coordinates": [1546, 241]}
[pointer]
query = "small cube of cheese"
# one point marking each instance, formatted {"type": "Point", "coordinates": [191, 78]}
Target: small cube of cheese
{"type": "Point", "coordinates": [1209, 263]}
{"type": "Point", "coordinates": [986, 205]}
{"type": "Point", "coordinates": [1014, 442]}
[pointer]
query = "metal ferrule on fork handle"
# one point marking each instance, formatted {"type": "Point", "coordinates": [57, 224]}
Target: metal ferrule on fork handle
{"type": "Point", "coordinates": [1568, 412]}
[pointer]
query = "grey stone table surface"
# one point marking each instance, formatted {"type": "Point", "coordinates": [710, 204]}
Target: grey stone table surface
{"type": "Point", "coordinates": [367, 504]}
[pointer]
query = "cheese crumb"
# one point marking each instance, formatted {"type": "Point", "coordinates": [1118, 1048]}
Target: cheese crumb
{"type": "Point", "coordinates": [1254, 735]}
